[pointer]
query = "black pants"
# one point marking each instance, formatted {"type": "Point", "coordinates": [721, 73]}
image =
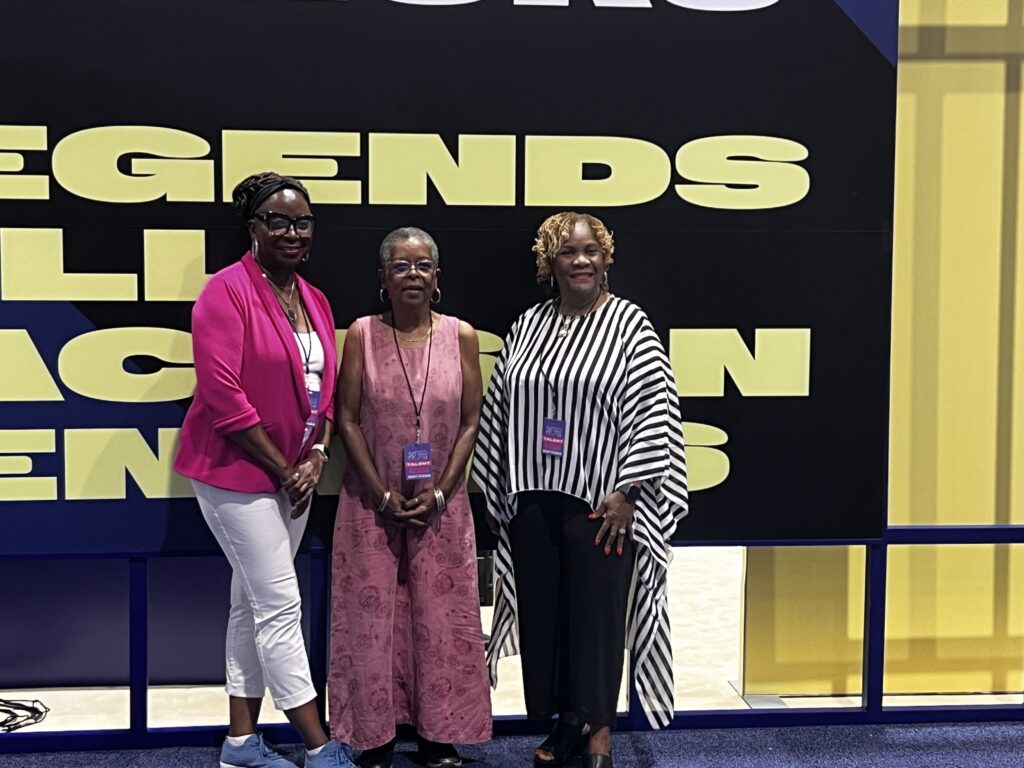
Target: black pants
{"type": "Point", "coordinates": [572, 601]}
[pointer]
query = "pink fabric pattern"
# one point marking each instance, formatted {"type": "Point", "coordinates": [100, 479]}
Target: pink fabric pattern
{"type": "Point", "coordinates": [406, 642]}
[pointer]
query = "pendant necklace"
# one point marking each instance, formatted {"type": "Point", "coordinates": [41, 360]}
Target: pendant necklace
{"type": "Point", "coordinates": [292, 317]}
{"type": "Point", "coordinates": [566, 320]}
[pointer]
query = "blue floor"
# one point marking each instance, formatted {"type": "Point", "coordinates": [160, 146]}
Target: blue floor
{"type": "Point", "coordinates": [984, 745]}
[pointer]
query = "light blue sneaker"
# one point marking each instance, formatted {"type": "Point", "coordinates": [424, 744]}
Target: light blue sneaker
{"type": "Point", "coordinates": [254, 753]}
{"type": "Point", "coordinates": [333, 755]}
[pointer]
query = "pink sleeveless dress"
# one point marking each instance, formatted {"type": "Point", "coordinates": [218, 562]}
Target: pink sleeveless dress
{"type": "Point", "coordinates": [406, 642]}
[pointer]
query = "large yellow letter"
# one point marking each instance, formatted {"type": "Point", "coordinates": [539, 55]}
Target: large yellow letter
{"type": "Point", "coordinates": [97, 462]}
{"type": "Point", "coordinates": [174, 264]}
{"type": "Point", "coordinates": [93, 365]}
{"type": "Point", "coordinates": [639, 171]}
{"type": "Point", "coordinates": [400, 164]}
{"type": "Point", "coordinates": [24, 376]}
{"type": "Point", "coordinates": [742, 172]}
{"type": "Point", "coordinates": [780, 366]}
{"type": "Point", "coordinates": [85, 164]}
{"type": "Point", "coordinates": [21, 441]}
{"type": "Point", "coordinates": [28, 187]}
{"type": "Point", "coordinates": [302, 154]}
{"type": "Point", "coordinates": [706, 465]}
{"type": "Point", "coordinates": [32, 269]}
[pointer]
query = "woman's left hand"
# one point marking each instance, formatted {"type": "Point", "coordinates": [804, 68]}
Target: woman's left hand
{"type": "Point", "coordinates": [301, 490]}
{"type": "Point", "coordinates": [616, 515]}
{"type": "Point", "coordinates": [421, 506]}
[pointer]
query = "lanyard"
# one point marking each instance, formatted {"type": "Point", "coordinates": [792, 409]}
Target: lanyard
{"type": "Point", "coordinates": [426, 377]}
{"type": "Point", "coordinates": [306, 353]}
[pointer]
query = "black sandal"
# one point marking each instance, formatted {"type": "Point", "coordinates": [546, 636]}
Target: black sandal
{"type": "Point", "coordinates": [597, 761]}
{"type": "Point", "coordinates": [436, 754]}
{"type": "Point", "coordinates": [564, 743]}
{"type": "Point", "coordinates": [377, 757]}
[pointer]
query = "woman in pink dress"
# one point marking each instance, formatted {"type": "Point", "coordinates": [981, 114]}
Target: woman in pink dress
{"type": "Point", "coordinates": [406, 642]}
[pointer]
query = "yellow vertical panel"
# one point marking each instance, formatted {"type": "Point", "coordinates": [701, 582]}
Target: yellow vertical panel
{"type": "Point", "coordinates": [803, 626]}
{"type": "Point", "coordinates": [905, 391]}
{"type": "Point", "coordinates": [1017, 355]}
{"type": "Point", "coordinates": [954, 12]}
{"type": "Point", "coordinates": [948, 217]}
{"type": "Point", "coordinates": [948, 619]}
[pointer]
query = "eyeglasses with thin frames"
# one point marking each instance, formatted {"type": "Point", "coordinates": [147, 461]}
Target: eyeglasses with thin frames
{"type": "Point", "coordinates": [401, 268]}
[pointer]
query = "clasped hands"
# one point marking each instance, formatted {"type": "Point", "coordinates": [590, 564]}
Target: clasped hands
{"type": "Point", "coordinates": [414, 512]}
{"type": "Point", "coordinates": [300, 481]}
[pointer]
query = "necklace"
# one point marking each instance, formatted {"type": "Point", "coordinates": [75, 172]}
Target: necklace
{"type": "Point", "coordinates": [566, 320]}
{"type": "Point", "coordinates": [287, 301]}
{"type": "Point", "coordinates": [406, 339]}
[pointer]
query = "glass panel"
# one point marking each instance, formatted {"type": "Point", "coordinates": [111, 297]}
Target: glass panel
{"type": "Point", "coordinates": [803, 626]}
{"type": "Point", "coordinates": [956, 13]}
{"type": "Point", "coordinates": [954, 624]}
{"type": "Point", "coordinates": [186, 640]}
{"type": "Point", "coordinates": [950, 413]}
{"type": "Point", "coordinates": [61, 655]}
{"type": "Point", "coordinates": [705, 598]}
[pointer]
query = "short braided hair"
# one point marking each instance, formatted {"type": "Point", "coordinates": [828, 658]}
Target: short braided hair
{"type": "Point", "coordinates": [556, 229]}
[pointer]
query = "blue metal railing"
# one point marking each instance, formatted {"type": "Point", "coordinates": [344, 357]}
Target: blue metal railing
{"type": "Point", "coordinates": [140, 735]}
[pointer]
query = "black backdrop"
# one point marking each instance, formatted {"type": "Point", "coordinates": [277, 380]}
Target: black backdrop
{"type": "Point", "coordinates": [800, 467]}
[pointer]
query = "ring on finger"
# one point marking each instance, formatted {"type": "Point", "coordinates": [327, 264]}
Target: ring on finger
{"type": "Point", "coordinates": [622, 531]}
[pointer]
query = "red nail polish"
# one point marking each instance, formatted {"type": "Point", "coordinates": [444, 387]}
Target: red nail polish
{"type": "Point", "coordinates": [607, 551]}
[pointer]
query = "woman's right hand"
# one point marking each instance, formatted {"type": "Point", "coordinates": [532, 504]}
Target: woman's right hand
{"type": "Point", "coordinates": [395, 513]}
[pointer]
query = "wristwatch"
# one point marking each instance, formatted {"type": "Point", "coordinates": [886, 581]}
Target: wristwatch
{"type": "Point", "coordinates": [323, 450]}
{"type": "Point", "coordinates": [631, 492]}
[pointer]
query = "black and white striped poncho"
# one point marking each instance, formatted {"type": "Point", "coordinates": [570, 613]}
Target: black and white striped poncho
{"type": "Point", "coordinates": [612, 383]}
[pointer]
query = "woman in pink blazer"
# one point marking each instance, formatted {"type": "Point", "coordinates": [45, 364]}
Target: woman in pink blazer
{"type": "Point", "coordinates": [254, 444]}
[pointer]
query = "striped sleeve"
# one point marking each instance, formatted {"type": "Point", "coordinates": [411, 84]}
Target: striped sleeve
{"type": "Point", "coordinates": [490, 465]}
{"type": "Point", "coordinates": [653, 455]}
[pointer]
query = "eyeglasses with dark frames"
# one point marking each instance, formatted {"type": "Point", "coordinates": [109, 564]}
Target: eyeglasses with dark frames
{"type": "Point", "coordinates": [279, 223]}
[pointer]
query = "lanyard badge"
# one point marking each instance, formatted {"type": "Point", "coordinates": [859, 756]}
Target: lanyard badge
{"type": "Point", "coordinates": [552, 440]}
{"type": "Point", "coordinates": [419, 464]}
{"type": "Point", "coordinates": [417, 458]}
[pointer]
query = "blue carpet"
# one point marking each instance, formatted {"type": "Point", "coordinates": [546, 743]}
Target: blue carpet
{"type": "Point", "coordinates": [984, 745]}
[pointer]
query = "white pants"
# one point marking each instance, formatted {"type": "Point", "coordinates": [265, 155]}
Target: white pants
{"type": "Point", "coordinates": [264, 647]}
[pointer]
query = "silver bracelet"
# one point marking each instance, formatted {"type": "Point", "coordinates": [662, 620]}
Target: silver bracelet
{"type": "Point", "coordinates": [442, 505]}
{"type": "Point", "coordinates": [384, 502]}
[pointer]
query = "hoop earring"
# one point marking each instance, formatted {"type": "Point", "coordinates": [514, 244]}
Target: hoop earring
{"type": "Point", "coordinates": [306, 257]}
{"type": "Point", "coordinates": [381, 295]}
{"type": "Point", "coordinates": [604, 282]}
{"type": "Point", "coordinates": [551, 282]}
{"type": "Point", "coordinates": [438, 299]}
{"type": "Point", "coordinates": [255, 250]}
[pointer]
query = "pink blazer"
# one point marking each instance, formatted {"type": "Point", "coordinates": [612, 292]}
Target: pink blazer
{"type": "Point", "coordinates": [248, 372]}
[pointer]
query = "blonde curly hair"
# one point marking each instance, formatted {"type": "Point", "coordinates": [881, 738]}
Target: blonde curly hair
{"type": "Point", "coordinates": [556, 229]}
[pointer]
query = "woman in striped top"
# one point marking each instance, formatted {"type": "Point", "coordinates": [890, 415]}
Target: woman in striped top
{"type": "Point", "coordinates": [580, 455]}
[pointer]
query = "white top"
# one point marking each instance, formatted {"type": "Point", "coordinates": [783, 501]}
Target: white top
{"type": "Point", "coordinates": [311, 353]}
